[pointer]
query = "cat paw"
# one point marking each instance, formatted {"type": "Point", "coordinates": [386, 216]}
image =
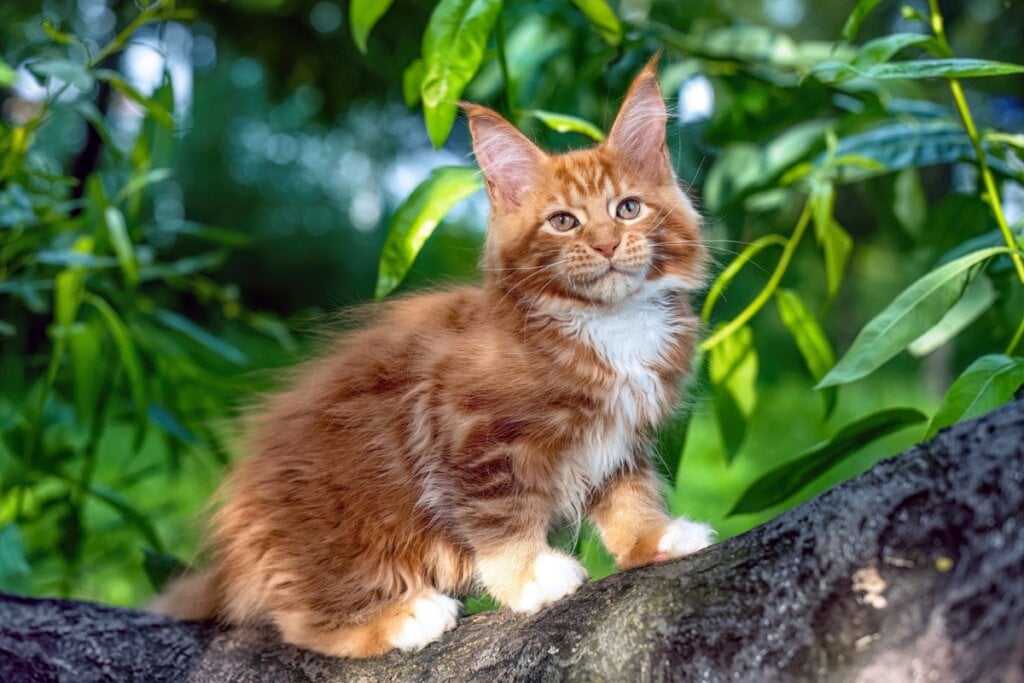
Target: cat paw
{"type": "Point", "coordinates": [432, 615]}
{"type": "Point", "coordinates": [554, 576]}
{"type": "Point", "coordinates": [683, 537]}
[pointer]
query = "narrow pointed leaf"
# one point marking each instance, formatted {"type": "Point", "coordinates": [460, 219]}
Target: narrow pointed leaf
{"type": "Point", "coordinates": [363, 15]}
{"type": "Point", "coordinates": [564, 123]}
{"type": "Point", "coordinates": [125, 345]}
{"type": "Point", "coordinates": [881, 50]}
{"type": "Point", "coordinates": [453, 49]}
{"type": "Point", "coordinates": [911, 314]}
{"type": "Point", "coordinates": [986, 384]}
{"type": "Point", "coordinates": [122, 244]}
{"type": "Point", "coordinates": [978, 298]}
{"type": "Point", "coordinates": [733, 368]}
{"type": "Point", "coordinates": [418, 216]}
{"type": "Point", "coordinates": [412, 79]}
{"type": "Point", "coordinates": [780, 483]}
{"type": "Point", "coordinates": [860, 12]}
{"type": "Point", "coordinates": [810, 338]}
{"type": "Point", "coordinates": [207, 340]}
{"type": "Point", "coordinates": [603, 19]}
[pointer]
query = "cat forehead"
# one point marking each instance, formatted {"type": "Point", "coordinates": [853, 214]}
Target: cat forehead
{"type": "Point", "coordinates": [587, 173]}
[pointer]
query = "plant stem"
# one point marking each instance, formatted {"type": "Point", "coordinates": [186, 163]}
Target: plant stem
{"type": "Point", "coordinates": [773, 282]}
{"type": "Point", "coordinates": [1017, 336]}
{"type": "Point", "coordinates": [991, 195]}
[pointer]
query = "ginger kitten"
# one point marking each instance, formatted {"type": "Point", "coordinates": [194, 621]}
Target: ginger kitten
{"type": "Point", "coordinates": [431, 452]}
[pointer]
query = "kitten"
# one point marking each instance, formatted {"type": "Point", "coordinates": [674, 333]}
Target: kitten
{"type": "Point", "coordinates": [431, 452]}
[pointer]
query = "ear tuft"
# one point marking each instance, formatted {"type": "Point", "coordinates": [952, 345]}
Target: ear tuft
{"type": "Point", "coordinates": [511, 164]}
{"type": "Point", "coordinates": [639, 130]}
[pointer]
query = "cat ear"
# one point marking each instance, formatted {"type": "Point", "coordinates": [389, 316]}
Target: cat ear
{"type": "Point", "coordinates": [512, 165]}
{"type": "Point", "coordinates": [639, 130]}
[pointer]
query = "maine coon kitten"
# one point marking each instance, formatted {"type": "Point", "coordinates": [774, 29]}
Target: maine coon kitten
{"type": "Point", "coordinates": [431, 452]}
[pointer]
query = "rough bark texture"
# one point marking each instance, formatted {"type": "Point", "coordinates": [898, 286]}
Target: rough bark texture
{"type": "Point", "coordinates": [912, 571]}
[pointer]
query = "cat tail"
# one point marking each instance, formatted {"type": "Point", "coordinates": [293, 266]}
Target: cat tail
{"type": "Point", "coordinates": [192, 597]}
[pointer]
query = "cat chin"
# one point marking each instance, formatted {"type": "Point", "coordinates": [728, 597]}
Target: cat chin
{"type": "Point", "coordinates": [614, 287]}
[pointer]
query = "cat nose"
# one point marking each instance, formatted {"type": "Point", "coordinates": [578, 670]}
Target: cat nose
{"type": "Point", "coordinates": [606, 249]}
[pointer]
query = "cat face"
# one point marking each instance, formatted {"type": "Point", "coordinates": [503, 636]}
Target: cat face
{"type": "Point", "coordinates": [594, 226]}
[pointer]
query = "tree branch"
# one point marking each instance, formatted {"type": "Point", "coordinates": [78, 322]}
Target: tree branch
{"type": "Point", "coordinates": [914, 570]}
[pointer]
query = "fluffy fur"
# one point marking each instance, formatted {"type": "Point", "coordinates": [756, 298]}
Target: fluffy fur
{"type": "Point", "coordinates": [432, 451]}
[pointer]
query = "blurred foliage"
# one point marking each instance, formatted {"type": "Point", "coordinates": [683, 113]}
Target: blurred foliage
{"type": "Point", "coordinates": [183, 188]}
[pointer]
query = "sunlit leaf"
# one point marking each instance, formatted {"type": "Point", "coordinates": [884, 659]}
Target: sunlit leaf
{"type": "Point", "coordinates": [7, 75]}
{"type": "Point", "coordinates": [986, 384]}
{"type": "Point", "coordinates": [412, 80]}
{"type": "Point", "coordinates": [85, 347]}
{"type": "Point", "coordinates": [978, 298]}
{"type": "Point", "coordinates": [363, 15]}
{"type": "Point", "coordinates": [418, 216]}
{"type": "Point", "coordinates": [810, 338]}
{"type": "Point", "coordinates": [836, 244]}
{"type": "Point", "coordinates": [453, 48]}
{"type": "Point", "coordinates": [564, 123]}
{"type": "Point", "coordinates": [911, 314]}
{"type": "Point", "coordinates": [69, 286]}
{"type": "Point", "coordinates": [125, 345]}
{"type": "Point", "coordinates": [117, 230]}
{"type": "Point", "coordinates": [733, 367]}
{"type": "Point", "coordinates": [780, 483]}
{"type": "Point", "coordinates": [860, 12]}
{"type": "Point", "coordinates": [153, 107]}
{"type": "Point", "coordinates": [603, 18]}
{"type": "Point", "coordinates": [210, 342]}
{"type": "Point", "coordinates": [140, 182]}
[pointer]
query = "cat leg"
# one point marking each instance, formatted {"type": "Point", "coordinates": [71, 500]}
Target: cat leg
{"type": "Point", "coordinates": [513, 560]}
{"type": "Point", "coordinates": [634, 526]}
{"type": "Point", "coordinates": [407, 624]}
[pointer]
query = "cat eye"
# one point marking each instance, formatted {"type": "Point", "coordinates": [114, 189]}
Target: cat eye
{"type": "Point", "coordinates": [563, 222]}
{"type": "Point", "coordinates": [628, 208]}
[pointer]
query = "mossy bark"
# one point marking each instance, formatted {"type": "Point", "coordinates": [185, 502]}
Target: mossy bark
{"type": "Point", "coordinates": [912, 571]}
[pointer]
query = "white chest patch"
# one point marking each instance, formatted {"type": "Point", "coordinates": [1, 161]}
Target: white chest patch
{"type": "Point", "coordinates": [632, 339]}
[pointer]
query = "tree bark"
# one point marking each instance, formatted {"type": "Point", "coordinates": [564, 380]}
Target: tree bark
{"type": "Point", "coordinates": [912, 571]}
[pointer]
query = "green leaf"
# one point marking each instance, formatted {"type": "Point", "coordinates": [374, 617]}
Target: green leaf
{"type": "Point", "coordinates": [910, 315]}
{"type": "Point", "coordinates": [417, 217]}
{"type": "Point", "coordinates": [142, 181]}
{"type": "Point", "coordinates": [780, 483]}
{"type": "Point", "coordinates": [117, 230]}
{"type": "Point", "coordinates": [564, 123]}
{"type": "Point", "coordinates": [127, 512]}
{"type": "Point", "coordinates": [810, 338]}
{"type": "Point", "coordinates": [916, 69]}
{"type": "Point", "coordinates": [210, 342]}
{"type": "Point", "coordinates": [603, 18]}
{"type": "Point", "coordinates": [63, 70]}
{"type": "Point", "coordinates": [69, 286]}
{"type": "Point", "coordinates": [986, 384]}
{"type": "Point", "coordinates": [910, 143]}
{"type": "Point", "coordinates": [153, 107]}
{"type": "Point", "coordinates": [881, 50]}
{"type": "Point", "coordinates": [733, 367]}
{"type": "Point", "coordinates": [835, 242]}
{"type": "Point", "coordinates": [85, 346]}
{"type": "Point", "coordinates": [125, 344]}
{"type": "Point", "coordinates": [412, 80]}
{"type": "Point", "coordinates": [363, 15]}
{"type": "Point", "coordinates": [978, 298]}
{"type": "Point", "coordinates": [860, 12]}
{"type": "Point", "coordinates": [8, 76]}
{"type": "Point", "coordinates": [453, 49]}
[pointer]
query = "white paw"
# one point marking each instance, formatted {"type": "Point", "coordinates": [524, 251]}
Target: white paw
{"type": "Point", "coordinates": [554, 576]}
{"type": "Point", "coordinates": [432, 615]}
{"type": "Point", "coordinates": [682, 537]}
